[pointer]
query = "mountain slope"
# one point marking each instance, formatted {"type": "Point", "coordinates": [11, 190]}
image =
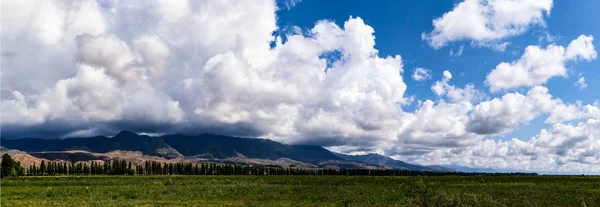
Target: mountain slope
{"type": "Point", "coordinates": [146, 144]}
{"type": "Point", "coordinates": [212, 147]}
{"type": "Point", "coordinates": [169, 146]}
{"type": "Point", "coordinates": [223, 147]}
{"type": "Point", "coordinates": [377, 159]}
{"type": "Point", "coordinates": [128, 141]}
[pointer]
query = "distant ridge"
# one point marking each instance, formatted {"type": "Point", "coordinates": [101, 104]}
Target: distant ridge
{"type": "Point", "coordinates": [224, 146]}
{"type": "Point", "coordinates": [381, 160]}
{"type": "Point", "coordinates": [122, 141]}
{"type": "Point", "coordinates": [210, 146]}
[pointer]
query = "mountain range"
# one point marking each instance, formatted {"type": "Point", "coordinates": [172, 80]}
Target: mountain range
{"type": "Point", "coordinates": [205, 146]}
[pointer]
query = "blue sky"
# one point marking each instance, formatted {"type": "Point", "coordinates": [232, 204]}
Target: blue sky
{"type": "Point", "coordinates": [399, 24]}
{"type": "Point", "coordinates": [502, 83]}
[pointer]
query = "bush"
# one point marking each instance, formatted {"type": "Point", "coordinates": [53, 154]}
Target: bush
{"type": "Point", "coordinates": [169, 182]}
{"type": "Point", "coordinates": [13, 172]}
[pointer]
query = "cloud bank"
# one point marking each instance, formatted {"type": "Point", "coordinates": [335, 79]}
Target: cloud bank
{"type": "Point", "coordinates": [537, 64]}
{"type": "Point", "coordinates": [82, 68]}
{"type": "Point", "coordinates": [487, 22]}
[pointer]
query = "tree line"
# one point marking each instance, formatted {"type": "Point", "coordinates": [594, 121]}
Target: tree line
{"type": "Point", "coordinates": [121, 167]}
{"type": "Point", "coordinates": [9, 167]}
{"type": "Point", "coordinates": [116, 167]}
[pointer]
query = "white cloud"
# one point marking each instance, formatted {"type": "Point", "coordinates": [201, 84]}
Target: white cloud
{"type": "Point", "coordinates": [460, 50]}
{"type": "Point", "coordinates": [561, 113]}
{"type": "Point", "coordinates": [142, 66]}
{"type": "Point", "coordinates": [457, 53]}
{"type": "Point", "coordinates": [504, 114]}
{"type": "Point", "coordinates": [289, 4]}
{"type": "Point", "coordinates": [454, 94]}
{"type": "Point", "coordinates": [547, 37]}
{"type": "Point", "coordinates": [230, 77]}
{"type": "Point", "coordinates": [48, 30]}
{"type": "Point", "coordinates": [566, 148]}
{"type": "Point", "coordinates": [435, 126]}
{"type": "Point", "coordinates": [581, 48]}
{"type": "Point", "coordinates": [497, 46]}
{"type": "Point", "coordinates": [569, 112]}
{"type": "Point", "coordinates": [447, 75]}
{"type": "Point", "coordinates": [421, 74]}
{"type": "Point", "coordinates": [487, 21]}
{"type": "Point", "coordinates": [581, 83]}
{"type": "Point", "coordinates": [537, 64]}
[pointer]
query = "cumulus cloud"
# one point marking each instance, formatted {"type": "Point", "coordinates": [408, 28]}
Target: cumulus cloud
{"type": "Point", "coordinates": [455, 94]}
{"type": "Point", "coordinates": [564, 148]}
{"type": "Point", "coordinates": [439, 125]}
{"type": "Point", "coordinates": [230, 78]}
{"type": "Point", "coordinates": [504, 114]}
{"type": "Point", "coordinates": [447, 75]}
{"type": "Point", "coordinates": [569, 112]}
{"type": "Point", "coordinates": [421, 74]}
{"type": "Point", "coordinates": [581, 83]}
{"type": "Point", "coordinates": [486, 22]}
{"type": "Point", "coordinates": [581, 48]}
{"type": "Point", "coordinates": [537, 64]}
{"type": "Point", "coordinates": [40, 38]}
{"type": "Point", "coordinates": [96, 67]}
{"type": "Point", "coordinates": [433, 126]}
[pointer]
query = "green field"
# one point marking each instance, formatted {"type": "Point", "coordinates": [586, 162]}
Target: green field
{"type": "Point", "coordinates": [300, 191]}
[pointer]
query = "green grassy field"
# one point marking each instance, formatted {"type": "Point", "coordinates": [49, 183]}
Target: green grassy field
{"type": "Point", "coordinates": [300, 191]}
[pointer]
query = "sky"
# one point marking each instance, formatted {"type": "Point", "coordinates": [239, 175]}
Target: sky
{"type": "Point", "coordinates": [507, 84]}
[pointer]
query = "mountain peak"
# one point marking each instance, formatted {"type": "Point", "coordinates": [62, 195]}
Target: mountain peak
{"type": "Point", "coordinates": [126, 134]}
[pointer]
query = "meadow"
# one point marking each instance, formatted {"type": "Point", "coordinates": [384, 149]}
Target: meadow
{"type": "Point", "coordinates": [300, 191]}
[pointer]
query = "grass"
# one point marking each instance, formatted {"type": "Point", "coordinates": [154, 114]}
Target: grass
{"type": "Point", "coordinates": [300, 191]}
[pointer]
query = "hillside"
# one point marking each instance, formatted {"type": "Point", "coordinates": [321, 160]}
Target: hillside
{"type": "Point", "coordinates": [215, 146]}
{"type": "Point", "coordinates": [124, 140]}
{"type": "Point", "coordinates": [200, 147]}
{"type": "Point", "coordinates": [377, 159]}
